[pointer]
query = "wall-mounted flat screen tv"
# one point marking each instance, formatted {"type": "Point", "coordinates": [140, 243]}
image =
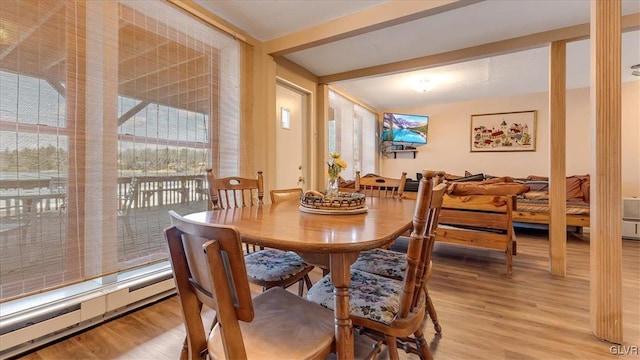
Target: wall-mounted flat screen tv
{"type": "Point", "coordinates": [404, 128]}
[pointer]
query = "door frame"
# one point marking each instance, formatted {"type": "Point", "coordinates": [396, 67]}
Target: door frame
{"type": "Point", "coordinates": [308, 134]}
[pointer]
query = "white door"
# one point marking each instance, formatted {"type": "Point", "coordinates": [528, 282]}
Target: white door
{"type": "Point", "coordinates": [291, 129]}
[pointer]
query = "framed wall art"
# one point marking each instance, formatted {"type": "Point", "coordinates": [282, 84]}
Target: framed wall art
{"type": "Point", "coordinates": [510, 131]}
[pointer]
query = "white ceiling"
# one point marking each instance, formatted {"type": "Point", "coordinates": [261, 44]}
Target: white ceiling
{"type": "Point", "coordinates": [479, 23]}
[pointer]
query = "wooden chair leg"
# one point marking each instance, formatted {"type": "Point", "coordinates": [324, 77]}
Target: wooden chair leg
{"type": "Point", "coordinates": [307, 281]}
{"type": "Point", "coordinates": [422, 345]}
{"type": "Point", "coordinates": [509, 260]}
{"type": "Point", "coordinates": [184, 353]}
{"type": "Point", "coordinates": [300, 287]}
{"type": "Point", "coordinates": [392, 347]}
{"type": "Point", "coordinates": [127, 227]}
{"type": "Point", "coordinates": [431, 310]}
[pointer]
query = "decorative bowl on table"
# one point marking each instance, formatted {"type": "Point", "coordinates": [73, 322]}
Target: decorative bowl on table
{"type": "Point", "coordinates": [345, 201]}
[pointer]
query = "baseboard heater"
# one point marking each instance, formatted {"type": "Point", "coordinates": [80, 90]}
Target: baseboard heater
{"type": "Point", "coordinates": [26, 330]}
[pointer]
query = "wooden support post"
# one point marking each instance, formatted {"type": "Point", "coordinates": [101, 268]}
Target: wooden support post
{"type": "Point", "coordinates": [558, 141]}
{"type": "Point", "coordinates": [606, 224]}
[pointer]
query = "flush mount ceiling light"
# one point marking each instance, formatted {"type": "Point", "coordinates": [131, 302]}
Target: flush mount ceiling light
{"type": "Point", "coordinates": [636, 70]}
{"type": "Point", "coordinates": [424, 85]}
{"type": "Point", "coordinates": [8, 33]}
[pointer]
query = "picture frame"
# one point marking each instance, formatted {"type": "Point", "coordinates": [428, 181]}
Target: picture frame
{"type": "Point", "coordinates": [508, 131]}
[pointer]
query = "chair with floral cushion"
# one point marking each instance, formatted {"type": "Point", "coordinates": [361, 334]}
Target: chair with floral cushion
{"type": "Point", "coordinates": [393, 264]}
{"type": "Point", "coordinates": [208, 267]}
{"type": "Point", "coordinates": [381, 187]}
{"type": "Point", "coordinates": [378, 186]}
{"type": "Point", "coordinates": [280, 195]}
{"type": "Point", "coordinates": [265, 267]}
{"type": "Point", "coordinates": [387, 308]}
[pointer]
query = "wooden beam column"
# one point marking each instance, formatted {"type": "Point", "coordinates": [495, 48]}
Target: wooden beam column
{"type": "Point", "coordinates": [558, 141]}
{"type": "Point", "coordinates": [606, 217]}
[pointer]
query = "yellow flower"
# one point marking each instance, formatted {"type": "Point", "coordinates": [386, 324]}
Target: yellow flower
{"type": "Point", "coordinates": [335, 165]}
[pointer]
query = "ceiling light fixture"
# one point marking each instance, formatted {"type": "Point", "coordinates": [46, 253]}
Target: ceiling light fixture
{"type": "Point", "coordinates": [636, 70]}
{"type": "Point", "coordinates": [424, 85]}
{"type": "Point", "coordinates": [8, 32]}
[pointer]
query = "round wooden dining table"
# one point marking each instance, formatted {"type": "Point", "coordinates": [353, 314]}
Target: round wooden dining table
{"type": "Point", "coordinates": [329, 241]}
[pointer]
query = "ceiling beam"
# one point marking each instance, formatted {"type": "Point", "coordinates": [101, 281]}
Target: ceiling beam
{"type": "Point", "coordinates": [629, 22]}
{"type": "Point", "coordinates": [24, 35]}
{"type": "Point", "coordinates": [144, 52]}
{"type": "Point", "coordinates": [55, 62]}
{"type": "Point", "coordinates": [57, 86]}
{"type": "Point", "coordinates": [365, 21]}
{"type": "Point", "coordinates": [178, 85]}
{"type": "Point", "coordinates": [134, 110]}
{"type": "Point", "coordinates": [213, 20]}
{"type": "Point", "coordinates": [174, 66]}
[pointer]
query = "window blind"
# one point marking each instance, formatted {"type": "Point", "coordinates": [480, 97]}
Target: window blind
{"type": "Point", "coordinates": [110, 112]}
{"type": "Point", "coordinates": [353, 133]}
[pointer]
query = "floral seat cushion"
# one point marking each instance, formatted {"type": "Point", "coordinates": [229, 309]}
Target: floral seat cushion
{"type": "Point", "coordinates": [273, 265]}
{"type": "Point", "coordinates": [382, 262]}
{"type": "Point", "coordinates": [371, 296]}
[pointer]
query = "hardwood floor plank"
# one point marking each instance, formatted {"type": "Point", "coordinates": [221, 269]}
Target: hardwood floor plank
{"type": "Point", "coordinates": [484, 314]}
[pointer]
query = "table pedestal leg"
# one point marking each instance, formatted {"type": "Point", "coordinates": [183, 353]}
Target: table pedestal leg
{"type": "Point", "coordinates": [341, 277]}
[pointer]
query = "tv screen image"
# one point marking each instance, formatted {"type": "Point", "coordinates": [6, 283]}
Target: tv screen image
{"type": "Point", "coordinates": [405, 128]}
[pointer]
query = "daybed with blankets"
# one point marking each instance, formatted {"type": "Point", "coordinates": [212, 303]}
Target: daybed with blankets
{"type": "Point", "coordinates": [531, 193]}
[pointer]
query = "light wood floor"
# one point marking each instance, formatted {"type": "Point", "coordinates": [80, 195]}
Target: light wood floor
{"type": "Point", "coordinates": [484, 314]}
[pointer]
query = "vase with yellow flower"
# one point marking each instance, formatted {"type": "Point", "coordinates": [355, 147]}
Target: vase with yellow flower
{"type": "Point", "coordinates": [336, 165]}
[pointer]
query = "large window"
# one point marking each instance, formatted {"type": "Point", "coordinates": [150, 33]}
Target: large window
{"type": "Point", "coordinates": [353, 133]}
{"type": "Point", "coordinates": [110, 112]}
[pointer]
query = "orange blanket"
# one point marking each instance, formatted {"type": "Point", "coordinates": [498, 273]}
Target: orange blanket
{"type": "Point", "coordinates": [502, 188]}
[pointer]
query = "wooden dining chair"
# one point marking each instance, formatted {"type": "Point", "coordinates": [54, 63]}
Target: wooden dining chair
{"type": "Point", "coordinates": [208, 268]}
{"type": "Point", "coordinates": [265, 267]}
{"type": "Point", "coordinates": [279, 195]}
{"type": "Point", "coordinates": [387, 308]}
{"type": "Point", "coordinates": [379, 186]}
{"type": "Point", "coordinates": [14, 224]}
{"type": "Point", "coordinates": [234, 191]}
{"type": "Point", "coordinates": [125, 204]}
{"type": "Point", "coordinates": [393, 264]}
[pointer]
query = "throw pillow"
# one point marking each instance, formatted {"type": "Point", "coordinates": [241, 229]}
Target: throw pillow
{"type": "Point", "coordinates": [537, 178]}
{"type": "Point", "coordinates": [574, 190]}
{"type": "Point", "coordinates": [536, 195]}
{"type": "Point", "coordinates": [585, 186]}
{"type": "Point", "coordinates": [486, 189]}
{"type": "Point", "coordinates": [476, 177]}
{"type": "Point", "coordinates": [538, 185]}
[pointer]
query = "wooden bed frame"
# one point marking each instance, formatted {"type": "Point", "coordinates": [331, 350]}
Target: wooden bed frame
{"type": "Point", "coordinates": [483, 221]}
{"type": "Point", "coordinates": [528, 217]}
{"type": "Point", "coordinates": [579, 221]}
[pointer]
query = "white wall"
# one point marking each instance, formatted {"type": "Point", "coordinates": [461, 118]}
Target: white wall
{"type": "Point", "coordinates": [449, 133]}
